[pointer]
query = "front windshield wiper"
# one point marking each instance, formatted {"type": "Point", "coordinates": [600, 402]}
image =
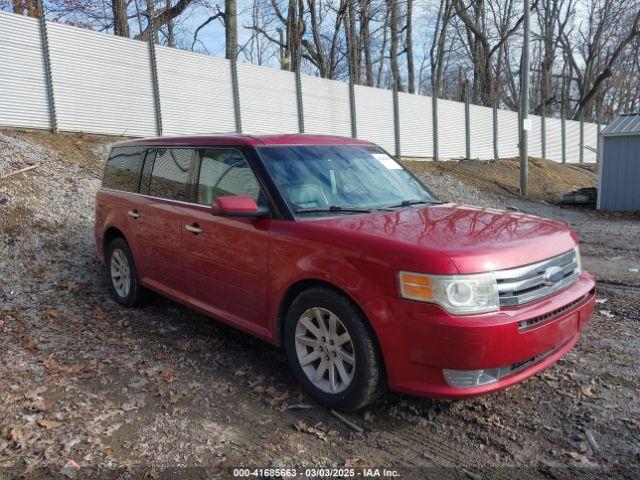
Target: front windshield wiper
{"type": "Point", "coordinates": [414, 201]}
{"type": "Point", "coordinates": [333, 208]}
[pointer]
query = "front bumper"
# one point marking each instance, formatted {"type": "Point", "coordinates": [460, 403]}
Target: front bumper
{"type": "Point", "coordinates": [419, 340]}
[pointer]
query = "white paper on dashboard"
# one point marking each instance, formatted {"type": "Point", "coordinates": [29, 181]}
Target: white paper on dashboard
{"type": "Point", "coordinates": [388, 162]}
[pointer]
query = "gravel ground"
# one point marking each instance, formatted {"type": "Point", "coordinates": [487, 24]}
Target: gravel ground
{"type": "Point", "coordinates": [139, 391]}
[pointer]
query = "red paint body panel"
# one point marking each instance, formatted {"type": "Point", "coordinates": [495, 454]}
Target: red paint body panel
{"type": "Point", "coordinates": [419, 340]}
{"type": "Point", "coordinates": [239, 269]}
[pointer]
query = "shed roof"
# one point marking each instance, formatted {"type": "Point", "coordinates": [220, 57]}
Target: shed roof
{"type": "Point", "coordinates": [624, 124]}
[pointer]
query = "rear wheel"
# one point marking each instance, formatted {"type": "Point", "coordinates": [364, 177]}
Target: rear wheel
{"type": "Point", "coordinates": [332, 350]}
{"type": "Point", "coordinates": [123, 276]}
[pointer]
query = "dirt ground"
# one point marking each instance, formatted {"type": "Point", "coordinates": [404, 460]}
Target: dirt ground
{"type": "Point", "coordinates": [547, 180]}
{"type": "Point", "coordinates": [137, 392]}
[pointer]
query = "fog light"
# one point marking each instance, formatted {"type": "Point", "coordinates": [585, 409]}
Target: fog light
{"type": "Point", "coordinates": [471, 378]}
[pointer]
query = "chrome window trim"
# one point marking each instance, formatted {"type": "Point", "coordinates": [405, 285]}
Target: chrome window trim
{"type": "Point", "coordinates": [169, 200]}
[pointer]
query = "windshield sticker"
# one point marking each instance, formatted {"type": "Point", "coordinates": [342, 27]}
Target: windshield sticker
{"type": "Point", "coordinates": [388, 162]}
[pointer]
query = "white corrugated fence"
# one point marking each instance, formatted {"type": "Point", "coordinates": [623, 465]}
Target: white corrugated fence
{"type": "Point", "coordinates": [104, 84]}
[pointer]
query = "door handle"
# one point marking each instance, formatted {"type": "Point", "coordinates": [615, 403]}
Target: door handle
{"type": "Point", "coordinates": [193, 228]}
{"type": "Point", "coordinates": [133, 213]}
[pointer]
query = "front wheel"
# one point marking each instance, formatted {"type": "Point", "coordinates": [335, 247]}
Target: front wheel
{"type": "Point", "coordinates": [332, 350]}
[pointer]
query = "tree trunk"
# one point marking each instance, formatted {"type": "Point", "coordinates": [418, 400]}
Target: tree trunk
{"type": "Point", "coordinates": [33, 9]}
{"type": "Point", "coordinates": [393, 48]}
{"type": "Point", "coordinates": [171, 40]}
{"type": "Point", "coordinates": [410, 67]}
{"type": "Point", "coordinates": [120, 21]}
{"type": "Point", "coordinates": [17, 6]}
{"type": "Point", "coordinates": [231, 29]}
{"type": "Point", "coordinates": [351, 42]}
{"type": "Point", "coordinates": [366, 40]}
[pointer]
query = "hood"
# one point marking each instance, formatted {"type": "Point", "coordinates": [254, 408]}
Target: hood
{"type": "Point", "coordinates": [474, 239]}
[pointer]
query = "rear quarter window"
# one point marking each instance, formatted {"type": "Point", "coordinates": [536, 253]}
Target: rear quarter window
{"type": "Point", "coordinates": [123, 169]}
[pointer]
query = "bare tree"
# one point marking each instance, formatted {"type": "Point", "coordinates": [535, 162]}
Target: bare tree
{"type": "Point", "coordinates": [602, 44]}
{"type": "Point", "coordinates": [365, 40]}
{"type": "Point", "coordinates": [411, 75]}
{"type": "Point", "coordinates": [120, 18]}
{"type": "Point", "coordinates": [392, 5]}
{"type": "Point", "coordinates": [481, 47]}
{"type": "Point", "coordinates": [231, 29]}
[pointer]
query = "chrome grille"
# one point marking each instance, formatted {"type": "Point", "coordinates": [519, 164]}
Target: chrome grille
{"type": "Point", "coordinates": [521, 285]}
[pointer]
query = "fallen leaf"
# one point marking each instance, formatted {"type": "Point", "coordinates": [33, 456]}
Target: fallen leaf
{"type": "Point", "coordinates": [100, 314]}
{"type": "Point", "coordinates": [31, 346]}
{"type": "Point", "coordinates": [167, 374]}
{"type": "Point", "coordinates": [301, 426]}
{"type": "Point", "coordinates": [272, 447]}
{"type": "Point", "coordinates": [188, 346]}
{"type": "Point", "coordinates": [35, 403]}
{"type": "Point", "coordinates": [587, 391]}
{"type": "Point", "coordinates": [48, 424]}
{"type": "Point", "coordinates": [175, 398]}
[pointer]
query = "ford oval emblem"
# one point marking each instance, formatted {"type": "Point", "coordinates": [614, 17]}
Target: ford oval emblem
{"type": "Point", "coordinates": [553, 275]}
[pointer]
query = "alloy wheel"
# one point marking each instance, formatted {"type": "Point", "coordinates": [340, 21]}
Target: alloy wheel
{"type": "Point", "coordinates": [325, 350]}
{"type": "Point", "coordinates": [120, 273]}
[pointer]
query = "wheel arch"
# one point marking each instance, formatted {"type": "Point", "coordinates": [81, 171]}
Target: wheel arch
{"type": "Point", "coordinates": [110, 235]}
{"type": "Point", "coordinates": [300, 286]}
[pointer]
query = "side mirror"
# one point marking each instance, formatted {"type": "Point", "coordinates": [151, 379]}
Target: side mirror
{"type": "Point", "coordinates": [237, 206]}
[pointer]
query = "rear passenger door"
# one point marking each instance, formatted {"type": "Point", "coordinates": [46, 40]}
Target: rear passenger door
{"type": "Point", "coordinates": [226, 258]}
{"type": "Point", "coordinates": [164, 186]}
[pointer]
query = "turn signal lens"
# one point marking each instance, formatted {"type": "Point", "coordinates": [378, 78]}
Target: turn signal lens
{"type": "Point", "coordinates": [416, 286]}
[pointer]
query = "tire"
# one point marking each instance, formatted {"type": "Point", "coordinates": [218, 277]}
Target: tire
{"type": "Point", "coordinates": [126, 291]}
{"type": "Point", "coordinates": [354, 384]}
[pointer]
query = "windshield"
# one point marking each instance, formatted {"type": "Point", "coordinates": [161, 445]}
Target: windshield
{"type": "Point", "coordinates": [331, 179]}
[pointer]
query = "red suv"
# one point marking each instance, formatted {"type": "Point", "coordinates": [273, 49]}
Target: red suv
{"type": "Point", "coordinates": [329, 247]}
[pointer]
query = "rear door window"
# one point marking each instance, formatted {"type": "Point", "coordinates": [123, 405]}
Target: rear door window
{"type": "Point", "coordinates": [224, 172]}
{"type": "Point", "coordinates": [170, 174]}
{"type": "Point", "coordinates": [123, 169]}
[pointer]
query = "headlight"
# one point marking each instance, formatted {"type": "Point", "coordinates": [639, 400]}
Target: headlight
{"type": "Point", "coordinates": [457, 294]}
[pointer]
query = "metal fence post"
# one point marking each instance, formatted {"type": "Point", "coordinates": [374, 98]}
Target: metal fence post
{"type": "Point", "coordinates": [524, 102]}
{"type": "Point", "coordinates": [434, 121]}
{"type": "Point", "coordinates": [496, 154]}
{"type": "Point", "coordinates": [46, 55]}
{"type": "Point", "coordinates": [543, 133]}
{"type": "Point", "coordinates": [581, 136]}
{"type": "Point", "coordinates": [299, 100]}
{"type": "Point", "coordinates": [235, 90]}
{"type": "Point", "coordinates": [598, 127]}
{"type": "Point", "coordinates": [563, 133]}
{"type": "Point", "coordinates": [467, 121]}
{"type": "Point", "coordinates": [396, 120]}
{"type": "Point", "coordinates": [151, 40]}
{"type": "Point", "coordinates": [352, 104]}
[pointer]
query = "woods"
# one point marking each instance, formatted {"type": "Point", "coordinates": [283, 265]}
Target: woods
{"type": "Point", "coordinates": [585, 61]}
